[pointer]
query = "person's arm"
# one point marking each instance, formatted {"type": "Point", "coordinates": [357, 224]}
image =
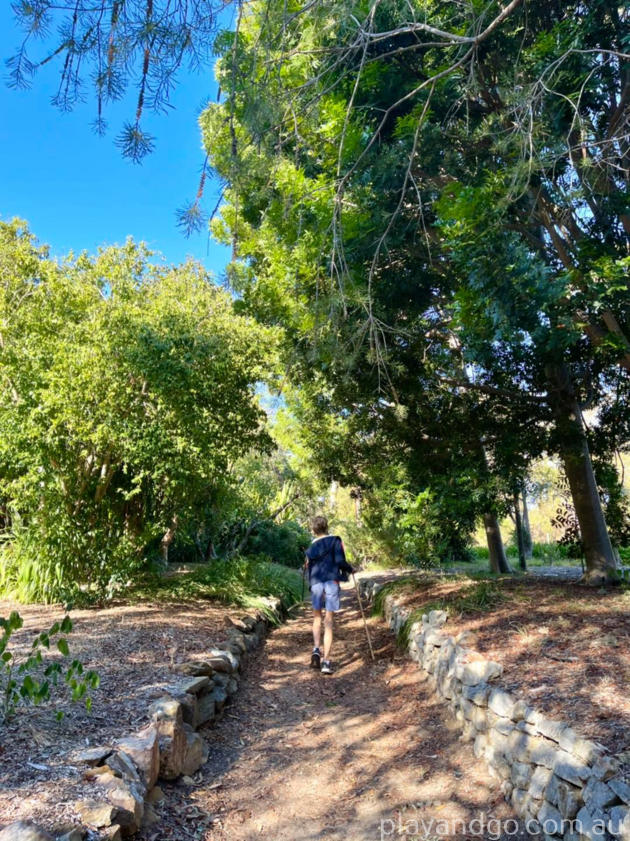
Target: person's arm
{"type": "Point", "coordinates": [340, 557]}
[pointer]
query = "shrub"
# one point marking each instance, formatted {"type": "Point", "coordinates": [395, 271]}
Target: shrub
{"type": "Point", "coordinates": [29, 680]}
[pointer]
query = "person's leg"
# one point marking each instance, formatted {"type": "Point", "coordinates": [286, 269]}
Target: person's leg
{"type": "Point", "coordinates": [317, 628]}
{"type": "Point", "coordinates": [328, 633]}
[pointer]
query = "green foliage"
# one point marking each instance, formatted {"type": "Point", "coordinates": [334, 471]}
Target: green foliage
{"type": "Point", "coordinates": [29, 680]}
{"type": "Point", "coordinates": [127, 392]}
{"type": "Point", "coordinates": [239, 580]}
{"type": "Point", "coordinates": [284, 543]}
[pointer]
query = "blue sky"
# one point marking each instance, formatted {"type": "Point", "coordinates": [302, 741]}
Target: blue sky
{"type": "Point", "coordinates": [75, 189]}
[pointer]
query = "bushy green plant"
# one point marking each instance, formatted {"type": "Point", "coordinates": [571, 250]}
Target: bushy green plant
{"type": "Point", "coordinates": [29, 680]}
{"type": "Point", "coordinates": [285, 543]}
{"type": "Point", "coordinates": [239, 580]}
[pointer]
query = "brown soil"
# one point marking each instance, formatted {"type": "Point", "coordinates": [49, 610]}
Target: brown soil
{"type": "Point", "coordinates": [563, 647]}
{"type": "Point", "coordinates": [134, 649]}
{"type": "Point", "coordinates": [355, 756]}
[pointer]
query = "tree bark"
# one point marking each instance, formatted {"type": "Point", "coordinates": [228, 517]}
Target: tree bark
{"type": "Point", "coordinates": [520, 540]}
{"type": "Point", "coordinates": [527, 532]}
{"type": "Point", "coordinates": [498, 558]}
{"type": "Point", "coordinates": [601, 564]}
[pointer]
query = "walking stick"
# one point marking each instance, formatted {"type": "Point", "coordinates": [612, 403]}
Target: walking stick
{"type": "Point", "coordinates": [367, 633]}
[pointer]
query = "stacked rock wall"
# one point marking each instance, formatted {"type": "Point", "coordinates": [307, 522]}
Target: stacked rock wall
{"type": "Point", "coordinates": [561, 784]}
{"type": "Point", "coordinates": [166, 748]}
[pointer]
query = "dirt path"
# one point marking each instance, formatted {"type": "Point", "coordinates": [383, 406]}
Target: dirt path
{"type": "Point", "coordinates": [352, 757]}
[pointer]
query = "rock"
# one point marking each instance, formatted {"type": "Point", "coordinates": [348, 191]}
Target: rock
{"type": "Point", "coordinates": [156, 795]}
{"type": "Point", "coordinates": [167, 717]}
{"type": "Point", "coordinates": [550, 819]}
{"type": "Point", "coordinates": [205, 707]}
{"type": "Point", "coordinates": [232, 686]}
{"type": "Point", "coordinates": [129, 799]}
{"type": "Point", "coordinates": [521, 774]}
{"type": "Point", "coordinates": [74, 834]}
{"type": "Point", "coordinates": [223, 661]}
{"type": "Point", "coordinates": [568, 768]}
{"type": "Point", "coordinates": [503, 726]}
{"type": "Point", "coordinates": [123, 766]}
{"type": "Point", "coordinates": [238, 638]}
{"type": "Point", "coordinates": [506, 789]}
{"type": "Point", "coordinates": [501, 703]}
{"type": "Point", "coordinates": [219, 695]}
{"type": "Point", "coordinates": [621, 789]}
{"type": "Point", "coordinates": [437, 618]}
{"type": "Point", "coordinates": [520, 801]}
{"type": "Point", "coordinates": [543, 752]}
{"type": "Point", "coordinates": [435, 638]}
{"type": "Point", "coordinates": [480, 745]}
{"type": "Point", "coordinates": [221, 679]}
{"type": "Point", "coordinates": [189, 705]}
{"type": "Point", "coordinates": [479, 671]}
{"type": "Point", "coordinates": [186, 781]}
{"type": "Point", "coordinates": [238, 624]}
{"type": "Point", "coordinates": [96, 813]}
{"type": "Point", "coordinates": [196, 668]}
{"type": "Point", "coordinates": [24, 831]}
{"type": "Point", "coordinates": [111, 833]}
{"type": "Point", "coordinates": [606, 767]}
{"type": "Point", "coordinates": [195, 685]}
{"type": "Point", "coordinates": [591, 825]}
{"type": "Point", "coordinates": [539, 782]}
{"type": "Point", "coordinates": [551, 792]}
{"type": "Point", "coordinates": [549, 728]}
{"type": "Point", "coordinates": [196, 752]}
{"type": "Point", "coordinates": [619, 822]}
{"type": "Point", "coordinates": [569, 800]}
{"type": "Point", "coordinates": [523, 712]}
{"type": "Point", "coordinates": [150, 816]}
{"type": "Point", "coordinates": [91, 756]}
{"type": "Point", "coordinates": [143, 748]}
{"type": "Point", "coordinates": [477, 693]}
{"type": "Point", "coordinates": [597, 795]}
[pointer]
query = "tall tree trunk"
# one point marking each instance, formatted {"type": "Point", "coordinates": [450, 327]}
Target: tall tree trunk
{"type": "Point", "coordinates": [520, 537]}
{"type": "Point", "coordinates": [601, 564]}
{"type": "Point", "coordinates": [527, 532]}
{"type": "Point", "coordinates": [167, 539]}
{"type": "Point", "coordinates": [332, 496]}
{"type": "Point", "coordinates": [498, 558]}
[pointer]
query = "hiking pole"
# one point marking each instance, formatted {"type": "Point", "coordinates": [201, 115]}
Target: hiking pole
{"type": "Point", "coordinates": [367, 633]}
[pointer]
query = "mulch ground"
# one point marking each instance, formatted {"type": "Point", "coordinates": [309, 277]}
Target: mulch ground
{"type": "Point", "coordinates": [563, 647]}
{"type": "Point", "coordinates": [364, 754]}
{"type": "Point", "coordinates": [134, 649]}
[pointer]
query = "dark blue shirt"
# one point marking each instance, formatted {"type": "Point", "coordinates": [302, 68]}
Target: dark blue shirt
{"type": "Point", "coordinates": [327, 560]}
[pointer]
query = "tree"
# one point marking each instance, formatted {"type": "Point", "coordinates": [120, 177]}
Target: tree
{"type": "Point", "coordinates": [128, 390]}
{"type": "Point", "coordinates": [394, 147]}
{"type": "Point", "coordinates": [112, 45]}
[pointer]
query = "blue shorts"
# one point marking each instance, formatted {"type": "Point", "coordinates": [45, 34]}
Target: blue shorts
{"type": "Point", "coordinates": [325, 594]}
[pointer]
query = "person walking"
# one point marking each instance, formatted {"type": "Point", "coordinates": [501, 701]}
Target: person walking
{"type": "Point", "coordinates": [327, 566]}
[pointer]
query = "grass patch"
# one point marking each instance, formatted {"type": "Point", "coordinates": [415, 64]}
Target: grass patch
{"type": "Point", "coordinates": [475, 596]}
{"type": "Point", "coordinates": [240, 581]}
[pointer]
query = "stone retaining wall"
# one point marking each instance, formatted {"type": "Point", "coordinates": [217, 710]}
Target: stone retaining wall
{"type": "Point", "coordinates": [561, 784]}
{"type": "Point", "coordinates": [125, 774]}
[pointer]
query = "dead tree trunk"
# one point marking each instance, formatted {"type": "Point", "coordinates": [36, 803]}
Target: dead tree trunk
{"type": "Point", "coordinates": [498, 558]}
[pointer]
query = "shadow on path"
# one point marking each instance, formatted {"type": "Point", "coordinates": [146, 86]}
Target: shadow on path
{"type": "Point", "coordinates": [363, 754]}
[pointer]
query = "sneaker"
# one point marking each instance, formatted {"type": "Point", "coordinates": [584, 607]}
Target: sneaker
{"type": "Point", "coordinates": [327, 668]}
{"type": "Point", "coordinates": [315, 658]}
